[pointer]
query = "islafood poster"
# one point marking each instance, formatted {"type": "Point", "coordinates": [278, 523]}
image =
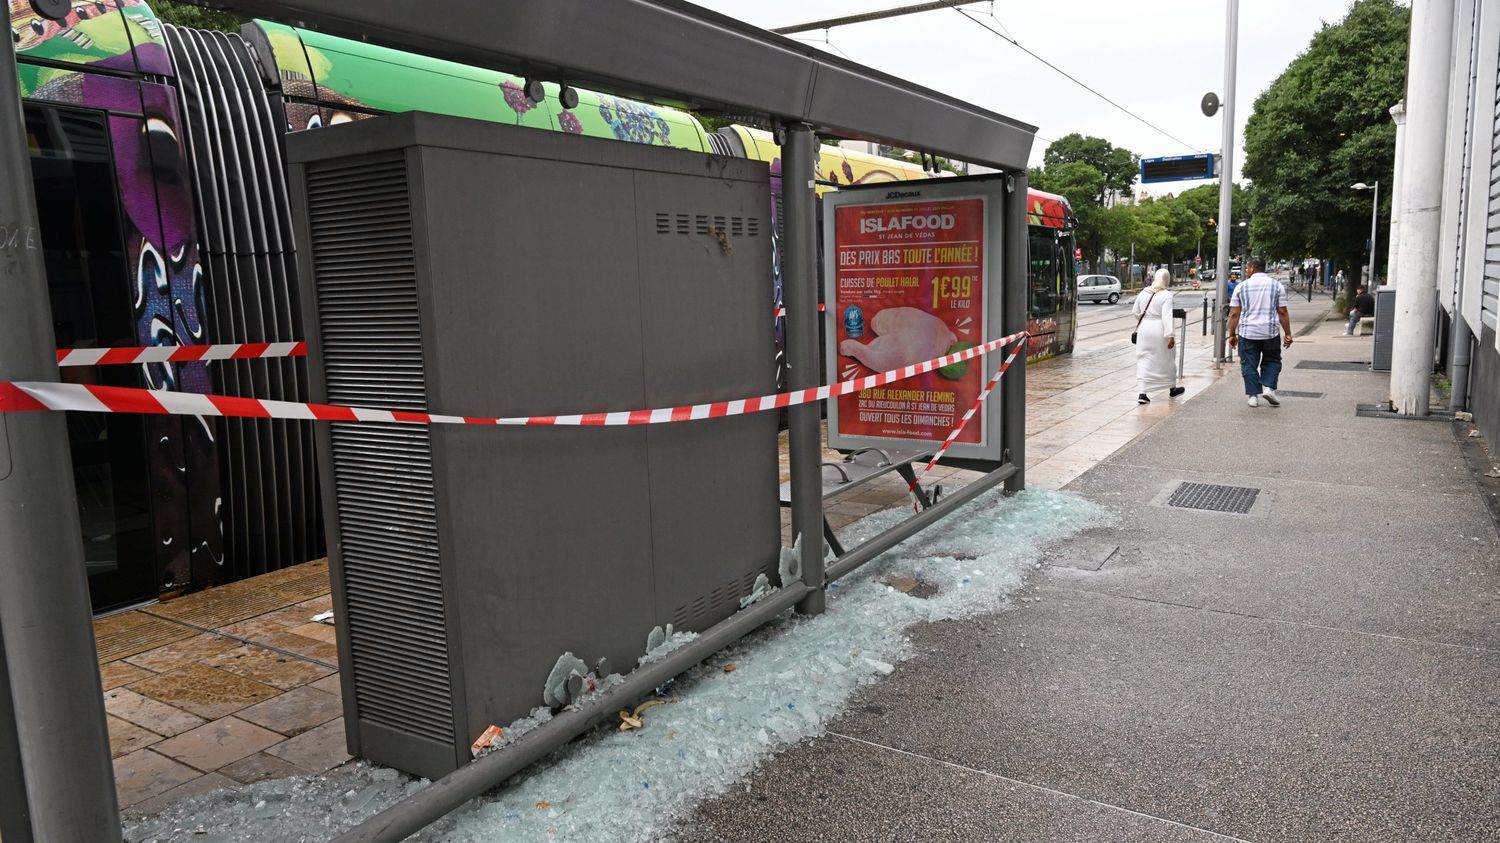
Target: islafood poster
{"type": "Point", "coordinates": [907, 281]}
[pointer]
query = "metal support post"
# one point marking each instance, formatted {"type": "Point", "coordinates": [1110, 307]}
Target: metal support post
{"type": "Point", "coordinates": [1393, 236]}
{"type": "Point", "coordinates": [1374, 237]}
{"type": "Point", "coordinates": [800, 292]}
{"type": "Point", "coordinates": [1226, 177]}
{"type": "Point", "coordinates": [1013, 319]}
{"type": "Point", "coordinates": [1458, 367]}
{"type": "Point", "coordinates": [44, 604]}
{"type": "Point", "coordinates": [15, 817]}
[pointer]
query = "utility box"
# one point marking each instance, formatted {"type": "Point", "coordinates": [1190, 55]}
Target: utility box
{"type": "Point", "coordinates": [1385, 328]}
{"type": "Point", "coordinates": [469, 268]}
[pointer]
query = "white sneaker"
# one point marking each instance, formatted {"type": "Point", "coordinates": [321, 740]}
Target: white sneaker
{"type": "Point", "coordinates": [1270, 396]}
{"type": "Point", "coordinates": [1252, 400]}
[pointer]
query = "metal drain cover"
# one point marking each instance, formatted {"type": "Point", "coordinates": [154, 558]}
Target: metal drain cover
{"type": "Point", "coordinates": [1295, 393]}
{"type": "Point", "coordinates": [1214, 498]}
{"type": "Point", "coordinates": [1336, 365]}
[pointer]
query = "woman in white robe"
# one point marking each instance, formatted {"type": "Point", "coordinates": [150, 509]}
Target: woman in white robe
{"type": "Point", "coordinates": [1155, 360]}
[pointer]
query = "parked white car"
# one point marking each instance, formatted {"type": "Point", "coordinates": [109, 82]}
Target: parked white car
{"type": "Point", "coordinates": [1097, 288]}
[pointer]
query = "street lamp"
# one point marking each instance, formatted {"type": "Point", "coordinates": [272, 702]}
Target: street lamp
{"type": "Point", "coordinates": [1374, 217]}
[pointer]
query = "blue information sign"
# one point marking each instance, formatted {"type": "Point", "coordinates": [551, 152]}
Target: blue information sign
{"type": "Point", "coordinates": [1178, 168]}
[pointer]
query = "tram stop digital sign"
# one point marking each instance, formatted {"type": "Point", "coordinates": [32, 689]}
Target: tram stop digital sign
{"type": "Point", "coordinates": [908, 278]}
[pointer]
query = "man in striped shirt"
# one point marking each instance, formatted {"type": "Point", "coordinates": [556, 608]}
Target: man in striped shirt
{"type": "Point", "coordinates": [1259, 326]}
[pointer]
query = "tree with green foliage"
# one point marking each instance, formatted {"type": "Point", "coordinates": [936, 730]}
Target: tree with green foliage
{"type": "Point", "coordinates": [1202, 202]}
{"type": "Point", "coordinates": [1323, 125]}
{"type": "Point", "coordinates": [1086, 170]}
{"type": "Point", "coordinates": [1118, 166]}
{"type": "Point", "coordinates": [194, 17]}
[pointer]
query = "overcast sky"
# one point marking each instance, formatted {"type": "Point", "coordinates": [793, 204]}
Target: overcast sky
{"type": "Point", "coordinates": [1155, 57]}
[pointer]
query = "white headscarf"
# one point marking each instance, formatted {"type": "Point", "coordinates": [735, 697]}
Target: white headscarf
{"type": "Point", "coordinates": [1162, 280]}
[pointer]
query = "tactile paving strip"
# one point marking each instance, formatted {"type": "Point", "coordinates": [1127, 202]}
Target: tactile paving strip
{"type": "Point", "coordinates": [224, 605]}
{"type": "Point", "coordinates": [1214, 498]}
{"type": "Point", "coordinates": [127, 634]}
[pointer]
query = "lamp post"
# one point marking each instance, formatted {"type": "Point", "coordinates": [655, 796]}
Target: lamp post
{"type": "Point", "coordinates": [1374, 218]}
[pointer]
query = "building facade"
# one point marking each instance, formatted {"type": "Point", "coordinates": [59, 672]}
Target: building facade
{"type": "Point", "coordinates": [1468, 283]}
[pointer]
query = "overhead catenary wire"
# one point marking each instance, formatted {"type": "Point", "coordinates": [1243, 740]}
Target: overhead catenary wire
{"type": "Point", "coordinates": [1066, 75]}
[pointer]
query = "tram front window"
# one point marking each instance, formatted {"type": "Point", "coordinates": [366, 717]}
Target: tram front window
{"type": "Point", "coordinates": [1044, 275]}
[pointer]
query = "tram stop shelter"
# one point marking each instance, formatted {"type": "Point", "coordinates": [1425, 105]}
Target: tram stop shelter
{"type": "Point", "coordinates": [664, 51]}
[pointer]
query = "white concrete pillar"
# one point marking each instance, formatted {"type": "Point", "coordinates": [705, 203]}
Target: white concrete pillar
{"type": "Point", "coordinates": [1427, 74]}
{"type": "Point", "coordinates": [1398, 114]}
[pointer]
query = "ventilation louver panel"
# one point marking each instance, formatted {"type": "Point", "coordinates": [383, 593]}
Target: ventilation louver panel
{"type": "Point", "coordinates": [359, 219]}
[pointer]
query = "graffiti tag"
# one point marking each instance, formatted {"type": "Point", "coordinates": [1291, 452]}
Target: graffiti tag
{"type": "Point", "coordinates": [14, 237]}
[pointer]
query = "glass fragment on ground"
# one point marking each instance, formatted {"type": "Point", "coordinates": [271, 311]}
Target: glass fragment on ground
{"type": "Point", "coordinates": [789, 680]}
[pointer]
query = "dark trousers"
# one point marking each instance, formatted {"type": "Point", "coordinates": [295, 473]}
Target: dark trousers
{"type": "Point", "coordinates": [1260, 363]}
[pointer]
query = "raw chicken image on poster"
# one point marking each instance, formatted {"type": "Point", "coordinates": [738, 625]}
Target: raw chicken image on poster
{"type": "Point", "coordinates": [909, 286]}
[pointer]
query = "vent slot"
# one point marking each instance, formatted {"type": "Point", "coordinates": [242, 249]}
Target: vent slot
{"type": "Point", "coordinates": [387, 503]}
{"type": "Point", "coordinates": [667, 223]}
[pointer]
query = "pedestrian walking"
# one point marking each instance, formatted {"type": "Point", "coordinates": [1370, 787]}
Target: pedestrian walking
{"type": "Point", "coordinates": [1364, 305]}
{"type": "Point", "coordinates": [1155, 364]}
{"type": "Point", "coordinates": [1260, 326]}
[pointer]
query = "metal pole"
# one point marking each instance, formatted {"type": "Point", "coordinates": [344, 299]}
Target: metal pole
{"type": "Point", "coordinates": [800, 279]}
{"type": "Point", "coordinates": [45, 618]}
{"type": "Point", "coordinates": [1393, 236]}
{"type": "Point", "coordinates": [1013, 316]}
{"type": "Point", "coordinates": [1463, 340]}
{"type": "Point", "coordinates": [1374, 220]}
{"type": "Point", "coordinates": [1226, 176]}
{"type": "Point", "coordinates": [15, 817]}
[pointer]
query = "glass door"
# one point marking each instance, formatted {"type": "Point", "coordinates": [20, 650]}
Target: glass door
{"type": "Point", "coordinates": [89, 282]}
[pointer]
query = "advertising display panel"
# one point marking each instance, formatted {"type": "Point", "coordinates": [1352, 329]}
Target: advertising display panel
{"type": "Point", "coordinates": [908, 277]}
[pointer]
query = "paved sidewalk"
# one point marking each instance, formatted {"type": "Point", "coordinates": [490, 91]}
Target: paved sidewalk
{"type": "Point", "coordinates": [1326, 666]}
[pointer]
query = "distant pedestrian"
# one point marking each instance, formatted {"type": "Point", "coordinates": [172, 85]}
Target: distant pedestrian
{"type": "Point", "coordinates": [1155, 364]}
{"type": "Point", "coordinates": [1257, 317]}
{"type": "Point", "coordinates": [1364, 306]}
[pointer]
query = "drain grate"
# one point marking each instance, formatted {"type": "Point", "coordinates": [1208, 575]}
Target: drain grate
{"type": "Point", "coordinates": [1335, 365]}
{"type": "Point", "coordinates": [1296, 393]}
{"type": "Point", "coordinates": [1214, 498]}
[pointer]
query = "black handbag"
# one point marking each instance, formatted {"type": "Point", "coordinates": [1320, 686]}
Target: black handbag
{"type": "Point", "coordinates": [1142, 316]}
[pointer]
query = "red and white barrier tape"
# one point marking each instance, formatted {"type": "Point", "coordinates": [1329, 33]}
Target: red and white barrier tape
{"type": "Point", "coordinates": [781, 311]}
{"type": "Point", "coordinates": [28, 396]}
{"type": "Point", "coordinates": [959, 428]}
{"type": "Point", "coordinates": [179, 353]}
